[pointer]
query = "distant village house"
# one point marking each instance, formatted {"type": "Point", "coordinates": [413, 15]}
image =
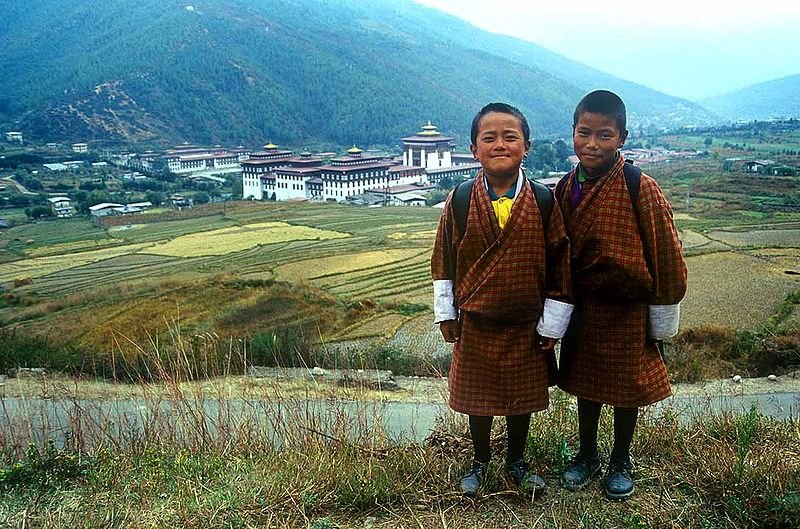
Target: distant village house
{"type": "Point", "coordinates": [60, 207]}
{"type": "Point", "coordinates": [14, 137]}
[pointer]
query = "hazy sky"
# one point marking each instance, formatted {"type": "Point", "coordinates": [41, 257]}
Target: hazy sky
{"type": "Point", "coordinates": [686, 48]}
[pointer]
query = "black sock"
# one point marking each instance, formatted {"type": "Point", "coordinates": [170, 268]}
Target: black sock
{"type": "Point", "coordinates": [480, 428]}
{"type": "Point", "coordinates": [624, 427]}
{"type": "Point", "coordinates": [518, 427]}
{"type": "Point", "coordinates": [588, 419]}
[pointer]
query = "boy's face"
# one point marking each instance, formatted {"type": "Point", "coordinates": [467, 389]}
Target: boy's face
{"type": "Point", "coordinates": [500, 144]}
{"type": "Point", "coordinates": [596, 138]}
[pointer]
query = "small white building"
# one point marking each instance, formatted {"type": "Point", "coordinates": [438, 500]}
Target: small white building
{"type": "Point", "coordinates": [60, 207]}
{"type": "Point", "coordinates": [14, 137]}
{"type": "Point", "coordinates": [80, 147]}
{"type": "Point", "coordinates": [56, 167]}
{"type": "Point", "coordinates": [408, 199]}
{"type": "Point", "coordinates": [104, 209]}
{"type": "Point", "coordinates": [142, 206]}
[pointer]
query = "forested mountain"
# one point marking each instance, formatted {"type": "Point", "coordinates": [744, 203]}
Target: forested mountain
{"type": "Point", "coordinates": [311, 72]}
{"type": "Point", "coordinates": [774, 99]}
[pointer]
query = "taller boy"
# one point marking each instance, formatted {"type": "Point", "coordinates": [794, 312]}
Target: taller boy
{"type": "Point", "coordinates": [490, 284]}
{"type": "Point", "coordinates": [628, 279]}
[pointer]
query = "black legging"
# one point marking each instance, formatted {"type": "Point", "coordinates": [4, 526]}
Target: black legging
{"type": "Point", "coordinates": [480, 428]}
{"type": "Point", "coordinates": [624, 427]}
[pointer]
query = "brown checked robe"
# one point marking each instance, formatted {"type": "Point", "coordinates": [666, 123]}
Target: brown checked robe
{"type": "Point", "coordinates": [606, 355]}
{"type": "Point", "coordinates": [500, 280]}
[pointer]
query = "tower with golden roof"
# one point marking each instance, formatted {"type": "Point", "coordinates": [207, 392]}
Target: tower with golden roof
{"type": "Point", "coordinates": [428, 148]}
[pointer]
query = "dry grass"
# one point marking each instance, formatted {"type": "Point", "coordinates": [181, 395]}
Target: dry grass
{"type": "Point", "coordinates": [267, 459]}
{"type": "Point", "coordinates": [736, 290]}
{"type": "Point", "coordinates": [757, 238]}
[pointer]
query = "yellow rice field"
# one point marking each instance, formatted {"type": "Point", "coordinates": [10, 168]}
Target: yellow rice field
{"type": "Point", "coordinates": [237, 238]}
{"type": "Point", "coordinates": [304, 270]}
{"type": "Point", "coordinates": [42, 266]}
{"type": "Point", "coordinates": [72, 247]}
{"type": "Point", "coordinates": [380, 326]}
{"type": "Point", "coordinates": [401, 235]}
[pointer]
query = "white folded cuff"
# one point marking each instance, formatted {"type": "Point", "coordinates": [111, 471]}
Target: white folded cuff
{"type": "Point", "coordinates": [444, 307]}
{"type": "Point", "coordinates": [662, 321]}
{"type": "Point", "coordinates": [555, 318]}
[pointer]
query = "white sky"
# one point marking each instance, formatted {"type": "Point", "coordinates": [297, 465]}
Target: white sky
{"type": "Point", "coordinates": [686, 48]}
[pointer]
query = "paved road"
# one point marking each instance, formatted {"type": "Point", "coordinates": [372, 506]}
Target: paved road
{"type": "Point", "coordinates": [123, 421]}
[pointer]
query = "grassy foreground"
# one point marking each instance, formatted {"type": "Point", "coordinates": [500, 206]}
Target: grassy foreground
{"type": "Point", "coordinates": [259, 467]}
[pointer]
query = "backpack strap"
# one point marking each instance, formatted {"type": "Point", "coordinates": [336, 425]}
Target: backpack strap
{"type": "Point", "coordinates": [461, 198]}
{"type": "Point", "coordinates": [633, 177]}
{"type": "Point", "coordinates": [633, 180]}
{"type": "Point", "coordinates": [463, 193]}
{"type": "Point", "coordinates": [544, 199]}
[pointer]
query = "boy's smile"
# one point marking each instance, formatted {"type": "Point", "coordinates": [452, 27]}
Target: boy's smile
{"type": "Point", "coordinates": [500, 145]}
{"type": "Point", "coordinates": [596, 138]}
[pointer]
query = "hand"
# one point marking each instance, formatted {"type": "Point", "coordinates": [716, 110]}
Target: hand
{"type": "Point", "coordinates": [545, 344]}
{"type": "Point", "coordinates": [449, 330]}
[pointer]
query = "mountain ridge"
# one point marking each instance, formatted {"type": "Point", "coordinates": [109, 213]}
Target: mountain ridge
{"type": "Point", "coordinates": [778, 98]}
{"type": "Point", "coordinates": [316, 73]}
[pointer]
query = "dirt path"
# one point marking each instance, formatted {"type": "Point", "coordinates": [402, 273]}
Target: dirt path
{"type": "Point", "coordinates": [294, 383]}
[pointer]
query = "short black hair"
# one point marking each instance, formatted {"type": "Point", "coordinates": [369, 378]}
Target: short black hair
{"type": "Point", "coordinates": [605, 103]}
{"type": "Point", "coordinates": [503, 108]}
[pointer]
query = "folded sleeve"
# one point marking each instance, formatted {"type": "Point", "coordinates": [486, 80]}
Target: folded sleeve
{"type": "Point", "coordinates": [555, 318]}
{"type": "Point", "coordinates": [443, 266]}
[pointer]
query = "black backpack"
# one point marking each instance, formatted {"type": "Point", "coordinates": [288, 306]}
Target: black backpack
{"type": "Point", "coordinates": [463, 193]}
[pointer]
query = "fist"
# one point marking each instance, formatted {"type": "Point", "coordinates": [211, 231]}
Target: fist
{"type": "Point", "coordinates": [449, 330]}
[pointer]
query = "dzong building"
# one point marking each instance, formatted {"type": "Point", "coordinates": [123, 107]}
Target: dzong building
{"type": "Point", "coordinates": [275, 174]}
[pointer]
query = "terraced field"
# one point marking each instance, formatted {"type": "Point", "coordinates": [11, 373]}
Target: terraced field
{"type": "Point", "coordinates": [350, 254]}
{"type": "Point", "coordinates": [357, 257]}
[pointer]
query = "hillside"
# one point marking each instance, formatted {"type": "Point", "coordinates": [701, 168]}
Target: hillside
{"type": "Point", "coordinates": [774, 99]}
{"type": "Point", "coordinates": [245, 71]}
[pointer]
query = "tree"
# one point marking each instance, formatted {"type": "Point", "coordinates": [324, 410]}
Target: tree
{"type": "Point", "coordinates": [434, 197]}
{"type": "Point", "coordinates": [236, 188]}
{"type": "Point", "coordinates": [154, 197]}
{"type": "Point", "coordinates": [708, 141]}
{"type": "Point", "coordinates": [37, 212]}
{"type": "Point", "coordinates": [201, 198]}
{"type": "Point", "coordinates": [19, 201]}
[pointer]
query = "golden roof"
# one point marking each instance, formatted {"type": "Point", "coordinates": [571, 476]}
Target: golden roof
{"type": "Point", "coordinates": [429, 130]}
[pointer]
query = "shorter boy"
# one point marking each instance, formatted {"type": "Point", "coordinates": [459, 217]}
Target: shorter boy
{"type": "Point", "coordinates": [495, 277]}
{"type": "Point", "coordinates": [628, 277]}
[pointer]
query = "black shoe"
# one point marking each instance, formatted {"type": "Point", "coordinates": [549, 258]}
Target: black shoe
{"type": "Point", "coordinates": [523, 478]}
{"type": "Point", "coordinates": [580, 472]}
{"type": "Point", "coordinates": [619, 483]}
{"type": "Point", "coordinates": [473, 480]}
